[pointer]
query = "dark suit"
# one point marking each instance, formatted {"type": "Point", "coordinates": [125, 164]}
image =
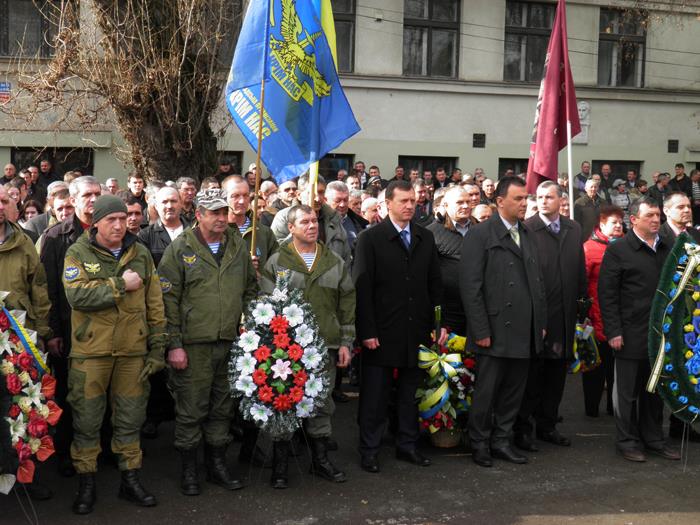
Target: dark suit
{"type": "Point", "coordinates": [563, 269]}
{"type": "Point", "coordinates": [587, 214]}
{"type": "Point", "coordinates": [397, 290]}
{"type": "Point", "coordinates": [629, 276]}
{"type": "Point", "coordinates": [504, 299]}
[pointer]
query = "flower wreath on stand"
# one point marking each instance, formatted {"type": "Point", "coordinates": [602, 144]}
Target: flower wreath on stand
{"type": "Point", "coordinates": [31, 388]}
{"type": "Point", "coordinates": [278, 364]}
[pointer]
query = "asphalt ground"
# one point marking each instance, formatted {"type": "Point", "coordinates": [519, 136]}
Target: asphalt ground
{"type": "Point", "coordinates": [587, 483]}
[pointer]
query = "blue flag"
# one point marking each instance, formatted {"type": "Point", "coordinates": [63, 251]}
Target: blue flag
{"type": "Point", "coordinates": [306, 112]}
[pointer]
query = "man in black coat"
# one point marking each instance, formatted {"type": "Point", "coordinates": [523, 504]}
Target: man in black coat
{"type": "Point", "coordinates": [397, 278]}
{"type": "Point", "coordinates": [504, 301]}
{"type": "Point", "coordinates": [563, 267]}
{"type": "Point", "coordinates": [629, 275]}
{"type": "Point", "coordinates": [587, 209]}
{"type": "Point", "coordinates": [449, 234]}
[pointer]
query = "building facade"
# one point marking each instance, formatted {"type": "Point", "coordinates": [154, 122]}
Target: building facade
{"type": "Point", "coordinates": [454, 83]}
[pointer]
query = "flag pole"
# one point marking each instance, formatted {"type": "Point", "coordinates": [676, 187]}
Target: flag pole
{"type": "Point", "coordinates": [258, 170]}
{"type": "Point", "coordinates": [569, 158]}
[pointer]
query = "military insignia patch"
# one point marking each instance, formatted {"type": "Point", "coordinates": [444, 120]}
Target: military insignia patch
{"type": "Point", "coordinates": [189, 260]}
{"type": "Point", "coordinates": [165, 285]}
{"type": "Point", "coordinates": [71, 273]}
{"type": "Point", "coordinates": [92, 268]}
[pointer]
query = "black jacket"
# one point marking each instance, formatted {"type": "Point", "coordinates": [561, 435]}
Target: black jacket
{"type": "Point", "coordinates": [57, 240]}
{"type": "Point", "coordinates": [685, 185]}
{"type": "Point", "coordinates": [156, 239]}
{"type": "Point", "coordinates": [667, 233]}
{"type": "Point", "coordinates": [397, 290]}
{"type": "Point", "coordinates": [563, 268]}
{"type": "Point", "coordinates": [449, 247]}
{"type": "Point", "coordinates": [587, 214]}
{"type": "Point", "coordinates": [629, 275]}
{"type": "Point", "coordinates": [502, 290]}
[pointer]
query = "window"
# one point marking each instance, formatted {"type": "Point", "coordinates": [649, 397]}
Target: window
{"type": "Point", "coordinates": [329, 165]}
{"type": "Point", "coordinates": [25, 28]}
{"type": "Point", "coordinates": [517, 165]}
{"type": "Point", "coordinates": [230, 29]}
{"type": "Point", "coordinates": [528, 26]}
{"type": "Point", "coordinates": [427, 163]}
{"type": "Point", "coordinates": [62, 159]}
{"type": "Point", "coordinates": [619, 168]}
{"type": "Point", "coordinates": [621, 47]}
{"type": "Point", "coordinates": [344, 15]}
{"type": "Point", "coordinates": [430, 38]}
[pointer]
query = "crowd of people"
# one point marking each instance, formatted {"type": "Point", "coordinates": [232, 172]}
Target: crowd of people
{"type": "Point", "coordinates": [137, 296]}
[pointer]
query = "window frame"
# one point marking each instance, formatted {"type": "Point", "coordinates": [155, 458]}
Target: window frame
{"type": "Point", "coordinates": [45, 49]}
{"type": "Point", "coordinates": [526, 32]}
{"type": "Point", "coordinates": [59, 157]}
{"type": "Point", "coordinates": [618, 168]}
{"type": "Point", "coordinates": [419, 162]}
{"type": "Point", "coordinates": [327, 165]}
{"type": "Point", "coordinates": [350, 18]}
{"type": "Point", "coordinates": [619, 38]}
{"type": "Point", "coordinates": [430, 24]}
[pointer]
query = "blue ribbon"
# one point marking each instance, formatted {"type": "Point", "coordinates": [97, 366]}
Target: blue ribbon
{"type": "Point", "coordinates": [28, 345]}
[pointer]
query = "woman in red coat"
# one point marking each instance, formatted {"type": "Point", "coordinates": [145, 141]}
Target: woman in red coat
{"type": "Point", "coordinates": [608, 230]}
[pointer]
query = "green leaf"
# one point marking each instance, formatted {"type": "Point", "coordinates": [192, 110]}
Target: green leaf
{"type": "Point", "coordinates": [279, 354]}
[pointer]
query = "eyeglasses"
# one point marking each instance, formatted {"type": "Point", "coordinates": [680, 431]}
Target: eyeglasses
{"type": "Point", "coordinates": [289, 189]}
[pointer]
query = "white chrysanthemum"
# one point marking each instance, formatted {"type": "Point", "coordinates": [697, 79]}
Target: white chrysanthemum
{"type": "Point", "coordinates": [246, 364]}
{"type": "Point", "coordinates": [17, 428]}
{"type": "Point", "coordinates": [34, 444]}
{"type": "Point", "coordinates": [305, 407]}
{"type": "Point", "coordinates": [313, 386]}
{"type": "Point", "coordinates": [25, 404]}
{"type": "Point", "coordinates": [7, 368]}
{"type": "Point", "coordinates": [312, 358]}
{"type": "Point", "coordinates": [43, 411]}
{"type": "Point", "coordinates": [260, 413]}
{"type": "Point", "coordinates": [33, 392]}
{"type": "Point", "coordinates": [245, 384]}
{"type": "Point", "coordinates": [24, 377]}
{"type": "Point", "coordinates": [294, 314]}
{"type": "Point", "coordinates": [304, 335]}
{"type": "Point", "coordinates": [263, 313]}
{"type": "Point", "coordinates": [249, 341]}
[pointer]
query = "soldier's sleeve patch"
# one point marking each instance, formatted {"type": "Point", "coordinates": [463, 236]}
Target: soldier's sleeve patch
{"type": "Point", "coordinates": [71, 273]}
{"type": "Point", "coordinates": [165, 285]}
{"type": "Point", "coordinates": [189, 260]}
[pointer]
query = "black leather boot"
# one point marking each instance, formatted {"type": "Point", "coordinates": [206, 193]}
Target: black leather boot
{"type": "Point", "coordinates": [132, 490]}
{"type": "Point", "coordinates": [217, 472]}
{"type": "Point", "coordinates": [321, 465]}
{"type": "Point", "coordinates": [280, 464]}
{"type": "Point", "coordinates": [87, 494]}
{"type": "Point", "coordinates": [189, 483]}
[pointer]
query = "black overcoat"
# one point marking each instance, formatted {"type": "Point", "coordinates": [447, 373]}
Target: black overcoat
{"type": "Point", "coordinates": [397, 290]}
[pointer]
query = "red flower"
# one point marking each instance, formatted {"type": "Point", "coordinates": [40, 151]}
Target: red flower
{"type": "Point", "coordinates": [25, 361]}
{"type": "Point", "coordinates": [54, 413]}
{"type": "Point", "coordinates": [470, 363]}
{"type": "Point", "coordinates": [48, 386]}
{"type": "Point", "coordinates": [282, 403]}
{"type": "Point", "coordinates": [265, 394]}
{"type": "Point", "coordinates": [259, 377]}
{"type": "Point", "coordinates": [37, 427]}
{"type": "Point", "coordinates": [4, 322]}
{"type": "Point", "coordinates": [437, 423]}
{"type": "Point", "coordinates": [14, 385]}
{"type": "Point", "coordinates": [262, 353]}
{"type": "Point", "coordinates": [296, 393]}
{"type": "Point", "coordinates": [24, 451]}
{"type": "Point", "coordinates": [279, 324]}
{"type": "Point", "coordinates": [14, 411]}
{"type": "Point", "coordinates": [14, 339]}
{"type": "Point", "coordinates": [295, 352]}
{"type": "Point", "coordinates": [46, 449]}
{"type": "Point", "coordinates": [300, 378]}
{"type": "Point", "coordinates": [34, 374]}
{"type": "Point", "coordinates": [281, 340]}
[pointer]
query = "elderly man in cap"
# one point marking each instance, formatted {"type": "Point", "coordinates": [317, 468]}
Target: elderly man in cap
{"type": "Point", "coordinates": [620, 197]}
{"type": "Point", "coordinates": [118, 339]}
{"type": "Point", "coordinates": [207, 277]}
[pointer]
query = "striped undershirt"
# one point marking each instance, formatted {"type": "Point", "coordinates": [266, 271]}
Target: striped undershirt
{"type": "Point", "coordinates": [309, 259]}
{"type": "Point", "coordinates": [116, 252]}
{"type": "Point", "coordinates": [244, 227]}
{"type": "Point", "coordinates": [214, 247]}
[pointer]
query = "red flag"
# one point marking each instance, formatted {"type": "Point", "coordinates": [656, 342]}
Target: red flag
{"type": "Point", "coordinates": [556, 103]}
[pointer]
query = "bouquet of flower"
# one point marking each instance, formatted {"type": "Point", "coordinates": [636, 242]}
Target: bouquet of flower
{"type": "Point", "coordinates": [277, 366]}
{"type": "Point", "coordinates": [32, 409]}
{"type": "Point", "coordinates": [586, 355]}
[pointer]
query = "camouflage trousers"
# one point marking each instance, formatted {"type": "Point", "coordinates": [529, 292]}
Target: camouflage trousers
{"type": "Point", "coordinates": [89, 381]}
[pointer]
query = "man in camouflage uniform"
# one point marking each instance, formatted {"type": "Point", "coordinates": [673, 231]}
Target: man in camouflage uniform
{"type": "Point", "coordinates": [328, 288]}
{"type": "Point", "coordinates": [207, 277]}
{"type": "Point", "coordinates": [118, 338]}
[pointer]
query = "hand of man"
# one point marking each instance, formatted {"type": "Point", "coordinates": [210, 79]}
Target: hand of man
{"type": "Point", "coordinates": [371, 344]}
{"type": "Point", "coordinates": [484, 343]}
{"type": "Point", "coordinates": [132, 280]}
{"type": "Point", "coordinates": [343, 357]}
{"type": "Point", "coordinates": [256, 262]}
{"type": "Point", "coordinates": [177, 358]}
{"type": "Point", "coordinates": [55, 346]}
{"type": "Point", "coordinates": [616, 343]}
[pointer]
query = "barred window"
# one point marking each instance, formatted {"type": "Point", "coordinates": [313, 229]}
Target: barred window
{"type": "Point", "coordinates": [528, 26]}
{"type": "Point", "coordinates": [26, 28]}
{"type": "Point", "coordinates": [621, 48]}
{"type": "Point", "coordinates": [431, 38]}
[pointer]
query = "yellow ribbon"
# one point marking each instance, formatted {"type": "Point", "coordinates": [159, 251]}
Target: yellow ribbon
{"type": "Point", "coordinates": [436, 363]}
{"type": "Point", "coordinates": [428, 402]}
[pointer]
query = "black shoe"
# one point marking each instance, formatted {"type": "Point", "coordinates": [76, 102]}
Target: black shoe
{"type": "Point", "coordinates": [132, 490]}
{"type": "Point", "coordinates": [370, 463]}
{"type": "Point", "coordinates": [280, 465]}
{"type": "Point", "coordinates": [555, 438]}
{"type": "Point", "coordinates": [524, 442]}
{"type": "Point", "coordinates": [217, 471]}
{"type": "Point", "coordinates": [331, 444]}
{"type": "Point", "coordinates": [65, 466]}
{"type": "Point", "coordinates": [482, 457]}
{"type": "Point", "coordinates": [149, 430]}
{"type": "Point", "coordinates": [340, 397]}
{"type": "Point", "coordinates": [321, 465]}
{"type": "Point", "coordinates": [250, 452]}
{"type": "Point", "coordinates": [87, 494]}
{"type": "Point", "coordinates": [508, 454]}
{"type": "Point", "coordinates": [37, 491]}
{"type": "Point", "coordinates": [412, 456]}
{"type": "Point", "coordinates": [189, 482]}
